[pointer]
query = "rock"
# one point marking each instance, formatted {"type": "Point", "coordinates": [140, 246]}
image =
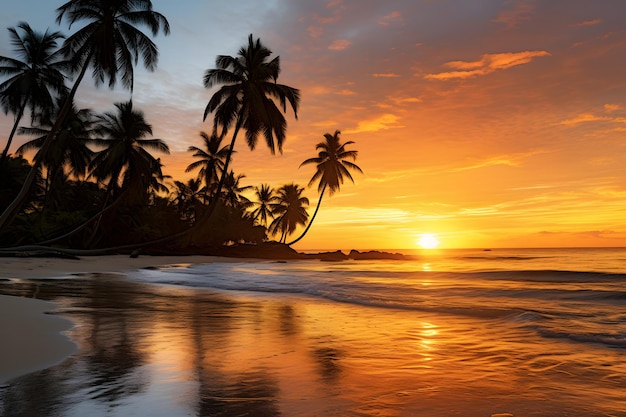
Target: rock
{"type": "Point", "coordinates": [374, 254]}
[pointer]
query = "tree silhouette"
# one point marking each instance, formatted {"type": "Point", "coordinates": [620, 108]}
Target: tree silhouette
{"type": "Point", "coordinates": [124, 161]}
{"type": "Point", "coordinates": [70, 149]}
{"type": "Point", "coordinates": [332, 166]}
{"type": "Point", "coordinates": [289, 210]}
{"type": "Point", "coordinates": [264, 198]}
{"type": "Point", "coordinates": [246, 99]}
{"type": "Point", "coordinates": [35, 77]}
{"type": "Point", "coordinates": [110, 44]}
{"type": "Point", "coordinates": [211, 161]}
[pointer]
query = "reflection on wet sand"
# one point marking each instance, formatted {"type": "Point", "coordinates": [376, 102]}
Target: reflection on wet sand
{"type": "Point", "coordinates": [170, 350]}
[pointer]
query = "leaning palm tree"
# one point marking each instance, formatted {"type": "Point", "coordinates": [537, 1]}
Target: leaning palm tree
{"type": "Point", "coordinates": [289, 211]}
{"type": "Point", "coordinates": [246, 99]}
{"type": "Point", "coordinates": [124, 162]}
{"type": "Point", "coordinates": [332, 166]}
{"type": "Point", "coordinates": [210, 161]}
{"type": "Point", "coordinates": [264, 198]}
{"type": "Point", "coordinates": [34, 78]}
{"type": "Point", "coordinates": [111, 45]}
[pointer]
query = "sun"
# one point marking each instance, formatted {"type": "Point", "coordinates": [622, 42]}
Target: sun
{"type": "Point", "coordinates": [428, 241]}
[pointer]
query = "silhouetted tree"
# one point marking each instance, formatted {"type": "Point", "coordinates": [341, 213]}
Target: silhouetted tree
{"type": "Point", "coordinates": [34, 77]}
{"type": "Point", "coordinates": [231, 194]}
{"type": "Point", "coordinates": [186, 198]}
{"type": "Point", "coordinates": [289, 211]}
{"type": "Point", "coordinates": [211, 161]}
{"type": "Point", "coordinates": [332, 166]}
{"type": "Point", "coordinates": [70, 150]}
{"type": "Point", "coordinates": [124, 161]}
{"type": "Point", "coordinates": [245, 98]}
{"type": "Point", "coordinates": [264, 198]}
{"type": "Point", "coordinates": [110, 44]}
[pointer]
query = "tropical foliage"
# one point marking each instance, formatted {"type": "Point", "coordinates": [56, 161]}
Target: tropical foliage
{"type": "Point", "coordinates": [246, 98]}
{"type": "Point", "coordinates": [110, 43]}
{"type": "Point", "coordinates": [95, 179]}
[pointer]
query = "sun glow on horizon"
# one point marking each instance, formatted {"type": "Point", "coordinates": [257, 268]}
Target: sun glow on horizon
{"type": "Point", "coordinates": [428, 241]}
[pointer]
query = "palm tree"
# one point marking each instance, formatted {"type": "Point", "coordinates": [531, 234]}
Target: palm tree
{"type": "Point", "coordinates": [289, 210]}
{"type": "Point", "coordinates": [186, 198]}
{"type": "Point", "coordinates": [264, 198]}
{"type": "Point", "coordinates": [110, 44]}
{"type": "Point", "coordinates": [124, 160]}
{"type": "Point", "coordinates": [71, 145]}
{"type": "Point", "coordinates": [34, 78]}
{"type": "Point", "coordinates": [231, 194]}
{"type": "Point", "coordinates": [332, 166]}
{"type": "Point", "coordinates": [245, 99]}
{"type": "Point", "coordinates": [210, 161]}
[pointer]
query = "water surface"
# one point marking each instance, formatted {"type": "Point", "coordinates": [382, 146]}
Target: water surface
{"type": "Point", "coordinates": [452, 333]}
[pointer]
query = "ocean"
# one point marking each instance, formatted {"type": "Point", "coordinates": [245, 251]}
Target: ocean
{"type": "Point", "coordinates": [502, 332]}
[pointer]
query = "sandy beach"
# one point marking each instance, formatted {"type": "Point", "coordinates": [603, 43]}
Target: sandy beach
{"type": "Point", "coordinates": [41, 267]}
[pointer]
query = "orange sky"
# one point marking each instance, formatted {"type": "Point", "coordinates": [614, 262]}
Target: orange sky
{"type": "Point", "coordinates": [488, 123]}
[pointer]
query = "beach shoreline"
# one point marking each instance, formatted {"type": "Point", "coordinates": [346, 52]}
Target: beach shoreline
{"type": "Point", "coordinates": [32, 339]}
{"type": "Point", "coordinates": [34, 336]}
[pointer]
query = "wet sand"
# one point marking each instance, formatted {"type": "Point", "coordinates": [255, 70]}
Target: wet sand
{"type": "Point", "coordinates": [31, 340]}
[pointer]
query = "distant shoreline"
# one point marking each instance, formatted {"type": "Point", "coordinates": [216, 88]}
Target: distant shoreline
{"type": "Point", "coordinates": [268, 250]}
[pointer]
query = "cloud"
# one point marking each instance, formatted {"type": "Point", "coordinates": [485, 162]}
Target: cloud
{"type": "Point", "coordinates": [393, 17]}
{"type": "Point", "coordinates": [596, 234]}
{"type": "Point", "coordinates": [588, 23]}
{"type": "Point", "coordinates": [405, 100]}
{"type": "Point", "coordinates": [511, 18]}
{"type": "Point", "coordinates": [315, 31]}
{"type": "Point", "coordinates": [339, 45]}
{"type": "Point", "coordinates": [584, 118]}
{"type": "Point", "coordinates": [487, 64]}
{"type": "Point", "coordinates": [383, 122]}
{"type": "Point", "coordinates": [610, 108]}
{"type": "Point", "coordinates": [385, 75]}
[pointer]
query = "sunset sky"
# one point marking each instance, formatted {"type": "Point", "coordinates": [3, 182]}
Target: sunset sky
{"type": "Point", "coordinates": [487, 123]}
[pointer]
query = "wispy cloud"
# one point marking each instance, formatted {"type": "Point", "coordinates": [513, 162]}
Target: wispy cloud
{"type": "Point", "coordinates": [393, 17]}
{"type": "Point", "coordinates": [584, 118]}
{"type": "Point", "coordinates": [588, 23]}
{"type": "Point", "coordinates": [383, 122]}
{"type": "Point", "coordinates": [339, 45]}
{"type": "Point", "coordinates": [385, 75]}
{"type": "Point", "coordinates": [610, 108]}
{"type": "Point", "coordinates": [487, 64]}
{"type": "Point", "coordinates": [512, 17]}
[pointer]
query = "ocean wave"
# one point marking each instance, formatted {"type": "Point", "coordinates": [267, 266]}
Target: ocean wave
{"type": "Point", "coordinates": [607, 339]}
{"type": "Point", "coordinates": [548, 302]}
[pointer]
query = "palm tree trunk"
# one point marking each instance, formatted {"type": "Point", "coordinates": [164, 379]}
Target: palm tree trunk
{"type": "Point", "coordinates": [18, 118]}
{"type": "Point", "coordinates": [80, 227]}
{"type": "Point", "coordinates": [13, 209]}
{"type": "Point", "coordinates": [319, 203]}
